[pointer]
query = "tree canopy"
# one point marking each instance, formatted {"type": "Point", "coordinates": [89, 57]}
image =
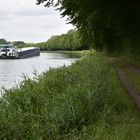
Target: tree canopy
{"type": "Point", "coordinates": [112, 26]}
{"type": "Point", "coordinates": [69, 41]}
{"type": "Point", "coordinates": [3, 41]}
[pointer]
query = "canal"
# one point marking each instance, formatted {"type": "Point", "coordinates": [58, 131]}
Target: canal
{"type": "Point", "coordinates": [13, 71]}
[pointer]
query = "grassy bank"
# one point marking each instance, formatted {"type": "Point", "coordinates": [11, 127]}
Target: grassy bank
{"type": "Point", "coordinates": [83, 101]}
{"type": "Point", "coordinates": [70, 54]}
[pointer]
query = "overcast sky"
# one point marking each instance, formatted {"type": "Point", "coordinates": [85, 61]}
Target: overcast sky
{"type": "Point", "coordinates": [24, 20]}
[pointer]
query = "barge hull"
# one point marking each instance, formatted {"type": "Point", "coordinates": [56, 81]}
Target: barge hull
{"type": "Point", "coordinates": [29, 53]}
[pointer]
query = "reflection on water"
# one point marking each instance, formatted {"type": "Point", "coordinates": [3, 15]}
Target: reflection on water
{"type": "Point", "coordinates": [12, 71]}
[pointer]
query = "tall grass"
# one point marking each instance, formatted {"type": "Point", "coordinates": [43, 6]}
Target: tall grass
{"type": "Point", "coordinates": [83, 101]}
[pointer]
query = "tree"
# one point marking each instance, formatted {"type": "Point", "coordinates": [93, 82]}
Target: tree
{"type": "Point", "coordinates": [3, 41]}
{"type": "Point", "coordinates": [19, 43]}
{"type": "Point", "coordinates": [108, 25]}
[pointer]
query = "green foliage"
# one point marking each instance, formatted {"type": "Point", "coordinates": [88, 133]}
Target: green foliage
{"type": "Point", "coordinates": [111, 26]}
{"type": "Point", "coordinates": [3, 41]}
{"type": "Point", "coordinates": [83, 101]}
{"type": "Point", "coordinates": [70, 41]}
{"type": "Point", "coordinates": [19, 43]}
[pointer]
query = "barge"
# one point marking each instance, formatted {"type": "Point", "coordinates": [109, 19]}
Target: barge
{"type": "Point", "coordinates": [8, 51]}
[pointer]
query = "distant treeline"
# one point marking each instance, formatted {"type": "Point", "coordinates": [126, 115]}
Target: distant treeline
{"type": "Point", "coordinates": [72, 40]}
{"type": "Point", "coordinates": [69, 41]}
{"type": "Point", "coordinates": [18, 44]}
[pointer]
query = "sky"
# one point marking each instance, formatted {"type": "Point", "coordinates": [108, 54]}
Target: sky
{"type": "Point", "coordinates": [23, 20]}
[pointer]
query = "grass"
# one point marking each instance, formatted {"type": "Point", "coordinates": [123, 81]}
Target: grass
{"type": "Point", "coordinates": [75, 53]}
{"type": "Point", "coordinates": [134, 79]}
{"type": "Point", "coordinates": [134, 59]}
{"type": "Point", "coordinates": [83, 101]}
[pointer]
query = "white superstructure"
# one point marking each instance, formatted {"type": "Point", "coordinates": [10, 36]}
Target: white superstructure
{"type": "Point", "coordinates": [8, 51]}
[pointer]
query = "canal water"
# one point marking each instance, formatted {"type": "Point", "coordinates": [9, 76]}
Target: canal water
{"type": "Point", "coordinates": [12, 71]}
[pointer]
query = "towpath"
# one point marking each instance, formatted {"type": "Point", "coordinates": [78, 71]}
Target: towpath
{"type": "Point", "coordinates": [121, 67]}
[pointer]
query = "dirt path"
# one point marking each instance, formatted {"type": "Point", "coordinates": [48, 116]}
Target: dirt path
{"type": "Point", "coordinates": [132, 92]}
